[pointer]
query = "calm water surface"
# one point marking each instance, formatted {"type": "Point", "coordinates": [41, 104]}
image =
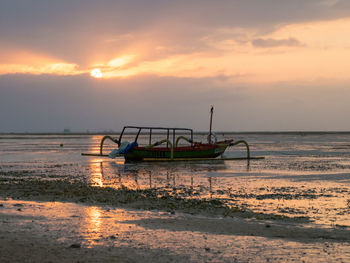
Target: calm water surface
{"type": "Point", "coordinates": [302, 174]}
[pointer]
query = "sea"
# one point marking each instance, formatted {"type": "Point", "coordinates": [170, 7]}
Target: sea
{"type": "Point", "coordinates": [302, 175]}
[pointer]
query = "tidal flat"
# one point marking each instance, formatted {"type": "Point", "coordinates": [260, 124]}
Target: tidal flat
{"type": "Point", "coordinates": [292, 206]}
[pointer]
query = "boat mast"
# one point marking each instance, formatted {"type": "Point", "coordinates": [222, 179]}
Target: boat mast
{"type": "Point", "coordinates": [211, 122]}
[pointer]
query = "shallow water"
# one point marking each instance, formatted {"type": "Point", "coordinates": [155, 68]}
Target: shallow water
{"type": "Point", "coordinates": [302, 174]}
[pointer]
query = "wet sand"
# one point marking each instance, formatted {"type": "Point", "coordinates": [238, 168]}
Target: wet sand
{"type": "Point", "coordinates": [56, 206]}
{"type": "Point", "coordinates": [38, 231]}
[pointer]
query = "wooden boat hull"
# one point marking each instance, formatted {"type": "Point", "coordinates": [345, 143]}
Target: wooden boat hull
{"type": "Point", "coordinates": [189, 152]}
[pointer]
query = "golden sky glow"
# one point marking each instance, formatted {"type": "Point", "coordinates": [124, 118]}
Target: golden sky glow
{"type": "Point", "coordinates": [25, 62]}
{"type": "Point", "coordinates": [120, 61]}
{"type": "Point", "coordinates": [318, 52]}
{"type": "Point", "coordinates": [285, 50]}
{"type": "Point", "coordinates": [265, 55]}
{"type": "Point", "coordinates": [316, 56]}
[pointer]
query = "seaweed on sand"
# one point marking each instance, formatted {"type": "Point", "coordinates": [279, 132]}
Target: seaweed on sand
{"type": "Point", "coordinates": [161, 199]}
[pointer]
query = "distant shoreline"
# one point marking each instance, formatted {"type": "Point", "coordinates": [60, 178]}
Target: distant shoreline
{"type": "Point", "coordinates": [195, 132]}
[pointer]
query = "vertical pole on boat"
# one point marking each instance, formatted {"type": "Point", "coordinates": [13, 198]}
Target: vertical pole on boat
{"type": "Point", "coordinates": [211, 122]}
{"type": "Point", "coordinates": [173, 137]}
{"type": "Point", "coordinates": [150, 136]}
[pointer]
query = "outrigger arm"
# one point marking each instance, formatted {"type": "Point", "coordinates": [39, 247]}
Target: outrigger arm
{"type": "Point", "coordinates": [105, 138]}
{"type": "Point", "coordinates": [246, 144]}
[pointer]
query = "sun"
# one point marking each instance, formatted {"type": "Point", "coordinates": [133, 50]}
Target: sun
{"type": "Point", "coordinates": [96, 73]}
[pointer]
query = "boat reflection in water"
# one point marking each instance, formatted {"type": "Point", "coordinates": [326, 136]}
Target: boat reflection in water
{"type": "Point", "coordinates": [192, 178]}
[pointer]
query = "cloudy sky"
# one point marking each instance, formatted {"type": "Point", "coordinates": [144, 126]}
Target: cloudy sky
{"type": "Point", "coordinates": [265, 65]}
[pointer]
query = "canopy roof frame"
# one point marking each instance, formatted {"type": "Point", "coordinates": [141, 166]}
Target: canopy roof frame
{"type": "Point", "coordinates": [168, 130]}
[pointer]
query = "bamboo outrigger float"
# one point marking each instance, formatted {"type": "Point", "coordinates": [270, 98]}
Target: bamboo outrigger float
{"type": "Point", "coordinates": [168, 149]}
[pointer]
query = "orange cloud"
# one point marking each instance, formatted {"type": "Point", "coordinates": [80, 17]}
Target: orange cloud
{"type": "Point", "coordinates": [26, 62]}
{"type": "Point", "coordinates": [52, 68]}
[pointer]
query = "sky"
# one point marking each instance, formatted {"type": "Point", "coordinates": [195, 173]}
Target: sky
{"type": "Point", "coordinates": [265, 65]}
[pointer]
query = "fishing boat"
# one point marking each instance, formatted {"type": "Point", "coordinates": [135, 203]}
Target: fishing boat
{"type": "Point", "coordinates": [168, 149]}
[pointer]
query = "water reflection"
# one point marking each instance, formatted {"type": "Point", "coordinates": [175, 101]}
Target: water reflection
{"type": "Point", "coordinates": [105, 226]}
{"type": "Point", "coordinates": [96, 177]}
{"type": "Point", "coordinates": [242, 185]}
{"type": "Point", "coordinates": [92, 225]}
{"type": "Point", "coordinates": [144, 176]}
{"type": "Point", "coordinates": [189, 181]}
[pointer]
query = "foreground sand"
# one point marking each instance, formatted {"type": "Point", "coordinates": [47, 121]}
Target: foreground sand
{"type": "Point", "coordinates": [32, 231]}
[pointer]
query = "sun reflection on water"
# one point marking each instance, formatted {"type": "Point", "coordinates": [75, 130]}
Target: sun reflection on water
{"type": "Point", "coordinates": [103, 225]}
{"type": "Point", "coordinates": [92, 225]}
{"type": "Point", "coordinates": [96, 172]}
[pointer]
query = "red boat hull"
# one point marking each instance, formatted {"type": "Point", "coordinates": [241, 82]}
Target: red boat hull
{"type": "Point", "coordinates": [198, 150]}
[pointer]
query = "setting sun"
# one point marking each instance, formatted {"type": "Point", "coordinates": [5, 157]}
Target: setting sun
{"type": "Point", "coordinates": [96, 73]}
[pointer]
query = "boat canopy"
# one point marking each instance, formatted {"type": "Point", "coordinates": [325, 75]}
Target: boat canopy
{"type": "Point", "coordinates": [171, 132]}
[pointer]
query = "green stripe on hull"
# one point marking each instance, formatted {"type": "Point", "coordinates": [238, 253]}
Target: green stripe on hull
{"type": "Point", "coordinates": [139, 154]}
